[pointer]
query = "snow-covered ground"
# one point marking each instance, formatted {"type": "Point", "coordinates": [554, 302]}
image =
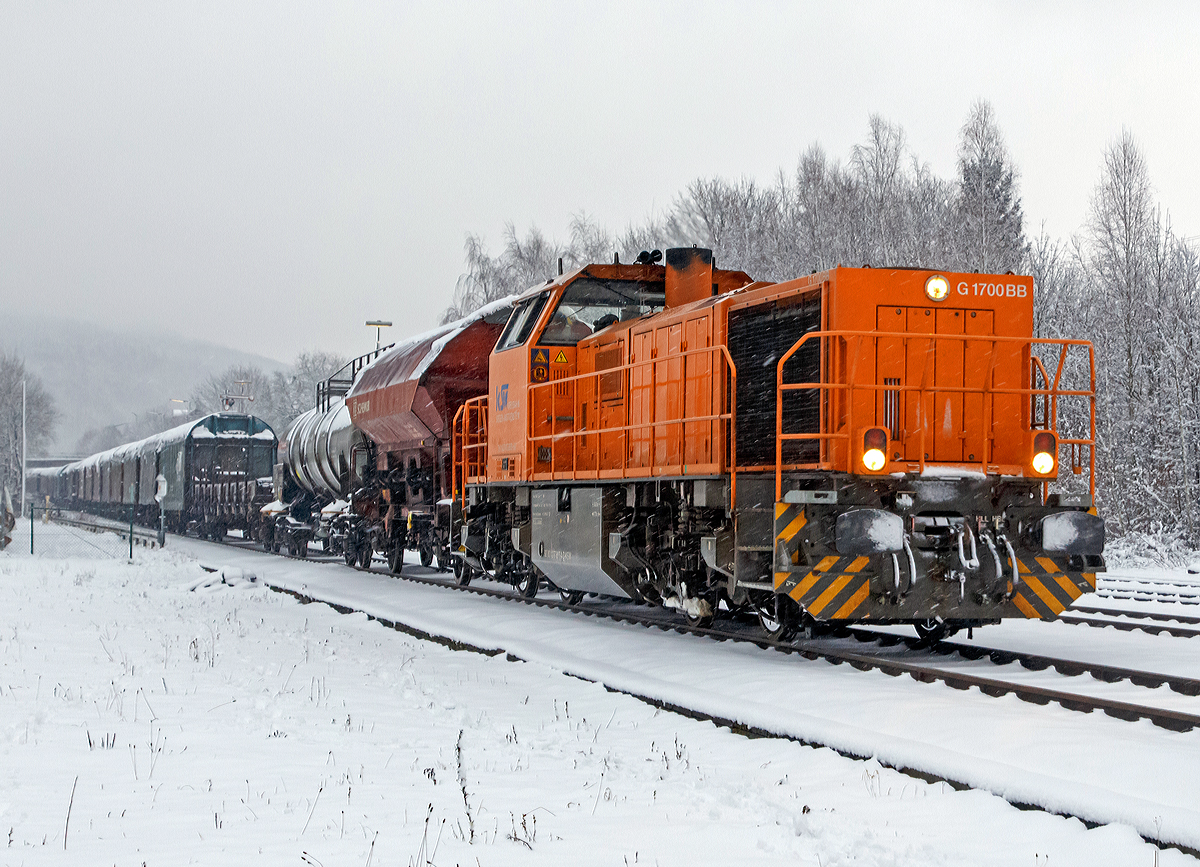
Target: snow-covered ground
{"type": "Point", "coordinates": [177, 720]}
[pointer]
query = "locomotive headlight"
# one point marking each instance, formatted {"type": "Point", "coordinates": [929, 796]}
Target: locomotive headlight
{"type": "Point", "coordinates": [937, 288]}
{"type": "Point", "coordinates": [1045, 447]}
{"type": "Point", "coordinates": [875, 443]}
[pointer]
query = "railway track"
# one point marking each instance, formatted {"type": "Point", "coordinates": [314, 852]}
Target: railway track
{"type": "Point", "coordinates": [1178, 625]}
{"type": "Point", "coordinates": [1143, 590]}
{"type": "Point", "coordinates": [835, 652]}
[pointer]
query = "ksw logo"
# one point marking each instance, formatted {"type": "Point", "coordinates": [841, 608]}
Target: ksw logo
{"type": "Point", "coordinates": [502, 397]}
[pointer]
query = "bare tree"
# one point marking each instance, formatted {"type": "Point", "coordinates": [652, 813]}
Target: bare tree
{"type": "Point", "coordinates": [40, 416]}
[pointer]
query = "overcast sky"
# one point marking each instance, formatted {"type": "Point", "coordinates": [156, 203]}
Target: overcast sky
{"type": "Point", "coordinates": [270, 176]}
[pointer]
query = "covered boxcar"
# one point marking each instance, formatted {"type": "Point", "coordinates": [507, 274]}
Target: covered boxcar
{"type": "Point", "coordinates": [209, 475]}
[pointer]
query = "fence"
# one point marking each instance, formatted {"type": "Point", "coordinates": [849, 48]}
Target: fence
{"type": "Point", "coordinates": [57, 534]}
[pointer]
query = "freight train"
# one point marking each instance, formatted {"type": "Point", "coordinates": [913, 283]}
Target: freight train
{"type": "Point", "coordinates": [206, 476]}
{"type": "Point", "coordinates": [860, 444]}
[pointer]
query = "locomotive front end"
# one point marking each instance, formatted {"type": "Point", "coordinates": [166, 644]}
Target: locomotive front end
{"type": "Point", "coordinates": [933, 460]}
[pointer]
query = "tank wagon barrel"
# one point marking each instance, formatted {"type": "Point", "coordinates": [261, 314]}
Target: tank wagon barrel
{"type": "Point", "coordinates": [371, 473]}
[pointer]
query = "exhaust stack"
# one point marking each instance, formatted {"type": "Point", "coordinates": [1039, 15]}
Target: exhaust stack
{"type": "Point", "coordinates": [689, 275]}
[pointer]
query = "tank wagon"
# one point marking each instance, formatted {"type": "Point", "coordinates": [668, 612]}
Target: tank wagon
{"type": "Point", "coordinates": [214, 475]}
{"type": "Point", "coordinates": [371, 472]}
{"type": "Point", "coordinates": [859, 444]}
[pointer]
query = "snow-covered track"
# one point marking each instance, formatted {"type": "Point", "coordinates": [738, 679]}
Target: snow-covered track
{"type": "Point", "coordinates": [1142, 589]}
{"type": "Point", "coordinates": [864, 661]}
{"type": "Point", "coordinates": [1036, 662]}
{"type": "Point", "coordinates": [1139, 621]}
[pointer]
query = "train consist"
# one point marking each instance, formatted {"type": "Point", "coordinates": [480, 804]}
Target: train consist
{"type": "Point", "coordinates": [884, 445]}
{"type": "Point", "coordinates": [206, 476]}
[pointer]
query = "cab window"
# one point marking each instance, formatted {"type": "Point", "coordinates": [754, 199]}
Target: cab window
{"type": "Point", "coordinates": [589, 305]}
{"type": "Point", "coordinates": [521, 323]}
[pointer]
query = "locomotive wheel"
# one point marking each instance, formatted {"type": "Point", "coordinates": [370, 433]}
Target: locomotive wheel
{"type": "Point", "coordinates": [930, 631]}
{"type": "Point", "coordinates": [426, 555]}
{"type": "Point", "coordinates": [528, 581]}
{"type": "Point", "coordinates": [571, 597]}
{"type": "Point", "coordinates": [351, 554]}
{"type": "Point", "coordinates": [395, 558]}
{"type": "Point", "coordinates": [462, 572]}
{"type": "Point", "coordinates": [364, 557]}
{"type": "Point", "coordinates": [776, 617]}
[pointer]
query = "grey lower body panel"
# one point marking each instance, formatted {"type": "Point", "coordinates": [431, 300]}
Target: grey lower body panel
{"type": "Point", "coordinates": [569, 539]}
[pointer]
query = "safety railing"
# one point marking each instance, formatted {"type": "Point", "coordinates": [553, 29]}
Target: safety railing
{"type": "Point", "coordinates": [851, 387]}
{"type": "Point", "coordinates": [468, 461]}
{"type": "Point", "coordinates": [565, 391]}
{"type": "Point", "coordinates": [338, 384]}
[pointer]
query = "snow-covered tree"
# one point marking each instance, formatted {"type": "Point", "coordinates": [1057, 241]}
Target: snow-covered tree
{"type": "Point", "coordinates": [40, 417]}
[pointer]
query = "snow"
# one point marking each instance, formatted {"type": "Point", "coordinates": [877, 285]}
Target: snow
{"type": "Point", "coordinates": [1058, 532]}
{"type": "Point", "coordinates": [932, 472]}
{"type": "Point", "coordinates": [186, 716]}
{"type": "Point", "coordinates": [443, 333]}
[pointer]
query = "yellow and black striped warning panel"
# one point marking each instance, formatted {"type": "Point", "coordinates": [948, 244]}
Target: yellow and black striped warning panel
{"type": "Point", "coordinates": [832, 590]}
{"type": "Point", "coordinates": [1046, 588]}
{"type": "Point", "coordinates": [790, 519]}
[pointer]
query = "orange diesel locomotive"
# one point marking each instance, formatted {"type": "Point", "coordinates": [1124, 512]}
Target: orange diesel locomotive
{"type": "Point", "coordinates": [884, 445]}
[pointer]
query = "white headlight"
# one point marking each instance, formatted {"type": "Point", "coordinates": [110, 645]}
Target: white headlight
{"type": "Point", "coordinates": [874, 459]}
{"type": "Point", "coordinates": [1043, 462]}
{"type": "Point", "coordinates": [937, 288]}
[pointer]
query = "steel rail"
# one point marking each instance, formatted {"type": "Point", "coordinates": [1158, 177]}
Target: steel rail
{"type": "Point", "coordinates": [1127, 626]}
{"type": "Point", "coordinates": [1141, 615]}
{"type": "Point", "coordinates": [1036, 662]}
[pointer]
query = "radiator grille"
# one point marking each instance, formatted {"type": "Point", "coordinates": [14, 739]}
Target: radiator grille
{"type": "Point", "coordinates": [758, 336]}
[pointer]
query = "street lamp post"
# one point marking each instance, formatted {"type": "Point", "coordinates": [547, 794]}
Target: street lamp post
{"type": "Point", "coordinates": [378, 325]}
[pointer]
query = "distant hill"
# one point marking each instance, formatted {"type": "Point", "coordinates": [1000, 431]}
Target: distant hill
{"type": "Point", "coordinates": [101, 376]}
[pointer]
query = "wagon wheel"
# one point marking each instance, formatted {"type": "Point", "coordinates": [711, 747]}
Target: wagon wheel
{"type": "Point", "coordinates": [395, 558]}
{"type": "Point", "coordinates": [364, 556]}
{"type": "Point", "coordinates": [350, 553]}
{"type": "Point", "coordinates": [302, 549]}
{"type": "Point", "coordinates": [426, 554]}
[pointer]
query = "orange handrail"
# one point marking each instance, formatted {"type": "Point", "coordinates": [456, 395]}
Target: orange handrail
{"type": "Point", "coordinates": [1052, 392]}
{"type": "Point", "coordinates": [651, 363]}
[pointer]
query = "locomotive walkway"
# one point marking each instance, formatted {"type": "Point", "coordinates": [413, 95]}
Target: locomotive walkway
{"type": "Point", "coordinates": [1091, 766]}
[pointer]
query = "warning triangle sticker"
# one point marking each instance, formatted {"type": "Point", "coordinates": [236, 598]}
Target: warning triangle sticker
{"type": "Point", "coordinates": [541, 358]}
{"type": "Point", "coordinates": [562, 358]}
